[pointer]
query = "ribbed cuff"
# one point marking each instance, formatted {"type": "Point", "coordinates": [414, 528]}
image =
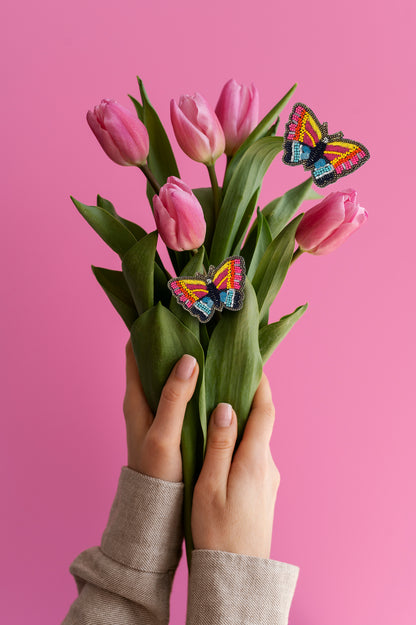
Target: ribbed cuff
{"type": "Point", "coordinates": [144, 530]}
{"type": "Point", "coordinates": [232, 589]}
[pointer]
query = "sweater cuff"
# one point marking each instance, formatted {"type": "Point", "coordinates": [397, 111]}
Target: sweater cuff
{"type": "Point", "coordinates": [144, 530]}
{"type": "Point", "coordinates": [232, 589]}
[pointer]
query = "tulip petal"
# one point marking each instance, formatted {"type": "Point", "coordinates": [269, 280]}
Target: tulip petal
{"type": "Point", "coordinates": [208, 123]}
{"type": "Point", "coordinates": [134, 126]}
{"type": "Point", "coordinates": [320, 221]}
{"type": "Point", "coordinates": [173, 180]}
{"type": "Point", "coordinates": [204, 114]}
{"type": "Point", "coordinates": [249, 112]}
{"type": "Point", "coordinates": [105, 139]}
{"type": "Point", "coordinates": [192, 141]}
{"type": "Point", "coordinates": [129, 137]}
{"type": "Point", "coordinates": [351, 204]}
{"type": "Point", "coordinates": [165, 225]}
{"type": "Point", "coordinates": [337, 238]}
{"type": "Point", "coordinates": [237, 111]}
{"type": "Point", "coordinates": [228, 112]}
{"type": "Point", "coordinates": [191, 227]}
{"type": "Point", "coordinates": [227, 109]}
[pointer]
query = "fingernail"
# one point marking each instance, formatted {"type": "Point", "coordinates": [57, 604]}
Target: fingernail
{"type": "Point", "coordinates": [186, 367]}
{"type": "Point", "coordinates": [223, 415]}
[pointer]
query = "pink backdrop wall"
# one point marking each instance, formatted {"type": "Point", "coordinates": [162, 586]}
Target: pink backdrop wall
{"type": "Point", "coordinates": [344, 378]}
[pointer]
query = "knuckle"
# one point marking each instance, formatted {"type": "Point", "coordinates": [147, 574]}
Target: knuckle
{"type": "Point", "coordinates": [269, 411]}
{"type": "Point", "coordinates": [171, 394]}
{"type": "Point", "coordinates": [261, 468]}
{"type": "Point", "coordinates": [275, 474]}
{"type": "Point", "coordinates": [206, 492]}
{"type": "Point", "coordinates": [156, 445]}
{"type": "Point", "coordinates": [127, 406]}
{"type": "Point", "coordinates": [261, 471]}
{"type": "Point", "coordinates": [219, 442]}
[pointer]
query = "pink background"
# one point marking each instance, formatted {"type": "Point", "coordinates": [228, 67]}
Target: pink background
{"type": "Point", "coordinates": [344, 378]}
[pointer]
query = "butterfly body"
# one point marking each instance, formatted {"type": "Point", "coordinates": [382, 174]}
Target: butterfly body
{"type": "Point", "coordinates": [308, 143]}
{"type": "Point", "coordinates": [223, 287]}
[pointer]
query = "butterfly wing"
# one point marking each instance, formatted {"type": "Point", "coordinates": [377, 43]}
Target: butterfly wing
{"type": "Point", "coordinates": [346, 156]}
{"type": "Point", "coordinates": [229, 278]}
{"type": "Point", "coordinates": [303, 133]}
{"type": "Point", "coordinates": [188, 290]}
{"type": "Point", "coordinates": [192, 294]}
{"type": "Point", "coordinates": [203, 309]}
{"type": "Point", "coordinates": [340, 157]}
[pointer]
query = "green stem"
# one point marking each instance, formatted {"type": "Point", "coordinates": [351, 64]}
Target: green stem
{"type": "Point", "coordinates": [145, 169]}
{"type": "Point", "coordinates": [296, 255]}
{"type": "Point", "coordinates": [215, 189]}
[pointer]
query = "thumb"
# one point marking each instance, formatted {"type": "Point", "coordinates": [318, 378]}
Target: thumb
{"type": "Point", "coordinates": [222, 434]}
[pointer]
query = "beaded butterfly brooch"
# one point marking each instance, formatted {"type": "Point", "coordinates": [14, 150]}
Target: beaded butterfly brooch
{"type": "Point", "coordinates": [308, 143]}
{"type": "Point", "coordinates": [223, 287]}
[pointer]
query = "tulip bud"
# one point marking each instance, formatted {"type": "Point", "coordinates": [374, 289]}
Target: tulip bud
{"type": "Point", "coordinates": [238, 112]}
{"type": "Point", "coordinates": [179, 216]}
{"type": "Point", "coordinates": [197, 128]}
{"type": "Point", "coordinates": [328, 224]}
{"type": "Point", "coordinates": [121, 134]}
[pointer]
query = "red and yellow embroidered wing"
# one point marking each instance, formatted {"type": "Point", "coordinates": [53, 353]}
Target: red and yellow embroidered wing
{"type": "Point", "coordinates": [230, 274]}
{"type": "Point", "coordinates": [345, 156]}
{"type": "Point", "coordinates": [188, 290]}
{"type": "Point", "coordinates": [303, 126]}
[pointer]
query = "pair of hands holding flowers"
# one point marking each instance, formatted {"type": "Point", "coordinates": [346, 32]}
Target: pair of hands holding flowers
{"type": "Point", "coordinates": [234, 497]}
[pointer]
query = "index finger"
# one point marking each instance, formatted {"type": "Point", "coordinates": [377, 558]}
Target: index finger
{"type": "Point", "coordinates": [259, 426]}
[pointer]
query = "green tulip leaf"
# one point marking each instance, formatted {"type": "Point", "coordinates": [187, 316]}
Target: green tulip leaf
{"type": "Point", "coordinates": [206, 199]}
{"type": "Point", "coordinates": [107, 226]}
{"type": "Point", "coordinates": [195, 264]}
{"type": "Point", "coordinates": [159, 340]}
{"type": "Point", "coordinates": [313, 195]}
{"type": "Point", "coordinates": [272, 130]}
{"type": "Point", "coordinates": [273, 267]}
{"type": "Point", "coordinates": [233, 365]}
{"type": "Point", "coordinates": [138, 107]}
{"type": "Point", "coordinates": [247, 178]}
{"type": "Point", "coordinates": [109, 206]}
{"type": "Point", "coordinates": [261, 130]}
{"type": "Point", "coordinates": [117, 290]}
{"type": "Point", "coordinates": [161, 289]}
{"type": "Point", "coordinates": [161, 159]}
{"type": "Point", "coordinates": [255, 248]}
{"type": "Point", "coordinates": [138, 268]}
{"type": "Point", "coordinates": [136, 230]}
{"type": "Point", "coordinates": [281, 210]}
{"type": "Point", "coordinates": [241, 233]}
{"type": "Point", "coordinates": [271, 335]}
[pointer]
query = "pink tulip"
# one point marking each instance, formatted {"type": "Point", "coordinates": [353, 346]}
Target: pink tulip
{"type": "Point", "coordinates": [238, 112]}
{"type": "Point", "coordinates": [179, 216]}
{"type": "Point", "coordinates": [120, 133]}
{"type": "Point", "coordinates": [197, 128]}
{"type": "Point", "coordinates": [328, 224]}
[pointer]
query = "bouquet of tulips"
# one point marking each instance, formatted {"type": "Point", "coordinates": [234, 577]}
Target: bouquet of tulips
{"type": "Point", "coordinates": [202, 228]}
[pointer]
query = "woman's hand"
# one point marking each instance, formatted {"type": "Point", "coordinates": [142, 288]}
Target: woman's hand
{"type": "Point", "coordinates": [234, 498]}
{"type": "Point", "coordinates": [153, 443]}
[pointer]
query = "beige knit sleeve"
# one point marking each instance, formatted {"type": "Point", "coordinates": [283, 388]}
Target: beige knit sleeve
{"type": "Point", "coordinates": [233, 589]}
{"type": "Point", "coordinates": [127, 580]}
